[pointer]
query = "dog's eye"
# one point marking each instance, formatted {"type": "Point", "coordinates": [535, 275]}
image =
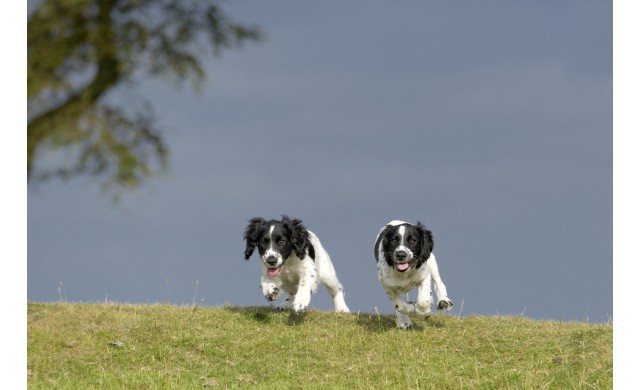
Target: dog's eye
{"type": "Point", "coordinates": [412, 241]}
{"type": "Point", "coordinates": [281, 242]}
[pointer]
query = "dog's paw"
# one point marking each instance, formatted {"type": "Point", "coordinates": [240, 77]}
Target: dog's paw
{"type": "Point", "coordinates": [286, 305]}
{"type": "Point", "coordinates": [423, 309]}
{"type": "Point", "coordinates": [445, 304]}
{"type": "Point", "coordinates": [272, 293]}
{"type": "Point", "coordinates": [299, 307]}
{"type": "Point", "coordinates": [299, 310]}
{"type": "Point", "coordinates": [406, 307]}
{"type": "Point", "coordinates": [408, 325]}
{"type": "Point", "coordinates": [300, 303]}
{"type": "Point", "coordinates": [342, 309]}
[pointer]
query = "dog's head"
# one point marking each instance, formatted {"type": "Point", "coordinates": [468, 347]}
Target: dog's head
{"type": "Point", "coordinates": [276, 241]}
{"type": "Point", "coordinates": [406, 245]}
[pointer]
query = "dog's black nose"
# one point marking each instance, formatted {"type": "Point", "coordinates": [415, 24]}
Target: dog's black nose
{"type": "Point", "coordinates": [401, 255]}
{"type": "Point", "coordinates": [271, 260]}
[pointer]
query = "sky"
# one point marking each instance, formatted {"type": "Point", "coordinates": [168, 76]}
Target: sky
{"type": "Point", "coordinates": [491, 123]}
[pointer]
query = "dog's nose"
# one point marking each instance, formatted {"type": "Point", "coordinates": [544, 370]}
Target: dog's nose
{"type": "Point", "coordinates": [271, 260]}
{"type": "Point", "coordinates": [401, 255]}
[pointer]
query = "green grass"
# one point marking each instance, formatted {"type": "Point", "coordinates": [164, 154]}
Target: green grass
{"type": "Point", "coordinates": [113, 346]}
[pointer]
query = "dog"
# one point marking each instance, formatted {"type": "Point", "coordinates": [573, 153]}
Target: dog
{"type": "Point", "coordinates": [404, 254]}
{"type": "Point", "coordinates": [293, 261]}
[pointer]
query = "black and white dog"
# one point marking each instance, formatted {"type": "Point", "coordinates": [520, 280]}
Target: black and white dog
{"type": "Point", "coordinates": [404, 253]}
{"type": "Point", "coordinates": [293, 261]}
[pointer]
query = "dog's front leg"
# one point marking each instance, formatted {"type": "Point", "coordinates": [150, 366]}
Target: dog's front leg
{"type": "Point", "coordinates": [270, 289]}
{"type": "Point", "coordinates": [302, 297]}
{"type": "Point", "coordinates": [425, 298]}
{"type": "Point", "coordinates": [403, 309]}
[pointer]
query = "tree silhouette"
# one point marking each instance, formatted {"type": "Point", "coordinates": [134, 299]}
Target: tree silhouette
{"type": "Point", "coordinates": [79, 50]}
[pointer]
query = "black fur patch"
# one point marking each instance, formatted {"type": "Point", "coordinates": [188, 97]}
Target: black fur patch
{"type": "Point", "coordinates": [289, 235]}
{"type": "Point", "coordinates": [389, 240]}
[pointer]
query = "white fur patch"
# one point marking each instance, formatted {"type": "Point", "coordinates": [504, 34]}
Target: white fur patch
{"type": "Point", "coordinates": [397, 285]}
{"type": "Point", "coordinates": [299, 278]}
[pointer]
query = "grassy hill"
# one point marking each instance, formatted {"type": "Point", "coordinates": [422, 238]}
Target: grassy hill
{"type": "Point", "coordinates": [112, 346]}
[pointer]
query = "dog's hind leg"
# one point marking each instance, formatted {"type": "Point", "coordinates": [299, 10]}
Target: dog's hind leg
{"type": "Point", "coordinates": [329, 279]}
{"type": "Point", "coordinates": [403, 309]}
{"type": "Point", "coordinates": [403, 321]}
{"type": "Point", "coordinates": [337, 293]}
{"type": "Point", "coordinates": [286, 304]}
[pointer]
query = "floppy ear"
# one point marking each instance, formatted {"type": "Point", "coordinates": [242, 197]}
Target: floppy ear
{"type": "Point", "coordinates": [383, 238]}
{"type": "Point", "coordinates": [299, 236]}
{"type": "Point", "coordinates": [427, 244]}
{"type": "Point", "coordinates": [251, 235]}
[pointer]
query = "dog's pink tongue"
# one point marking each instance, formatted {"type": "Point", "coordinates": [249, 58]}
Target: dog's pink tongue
{"type": "Point", "coordinates": [273, 272]}
{"type": "Point", "coordinates": [402, 266]}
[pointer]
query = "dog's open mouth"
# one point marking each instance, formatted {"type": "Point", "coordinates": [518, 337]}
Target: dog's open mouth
{"type": "Point", "coordinates": [401, 267]}
{"type": "Point", "coordinates": [273, 272]}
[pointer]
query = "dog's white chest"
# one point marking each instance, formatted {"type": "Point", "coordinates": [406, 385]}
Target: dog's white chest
{"type": "Point", "coordinates": [405, 281]}
{"type": "Point", "coordinates": [293, 271]}
{"type": "Point", "coordinates": [290, 275]}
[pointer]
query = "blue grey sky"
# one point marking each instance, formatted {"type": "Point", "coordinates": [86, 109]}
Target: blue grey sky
{"type": "Point", "coordinates": [490, 122]}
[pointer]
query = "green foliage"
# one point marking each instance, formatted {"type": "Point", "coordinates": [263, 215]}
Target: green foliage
{"type": "Point", "coordinates": [161, 346]}
{"type": "Point", "coordinates": [80, 50]}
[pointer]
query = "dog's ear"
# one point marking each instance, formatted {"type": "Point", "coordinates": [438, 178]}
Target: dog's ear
{"type": "Point", "coordinates": [427, 244]}
{"type": "Point", "coordinates": [251, 235]}
{"type": "Point", "coordinates": [383, 239]}
{"type": "Point", "coordinates": [299, 236]}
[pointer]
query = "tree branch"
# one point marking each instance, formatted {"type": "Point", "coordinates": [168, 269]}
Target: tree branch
{"type": "Point", "coordinates": [69, 112]}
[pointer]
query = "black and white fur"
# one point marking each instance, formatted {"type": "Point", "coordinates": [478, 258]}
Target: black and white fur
{"type": "Point", "coordinates": [404, 253]}
{"type": "Point", "coordinates": [293, 261]}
